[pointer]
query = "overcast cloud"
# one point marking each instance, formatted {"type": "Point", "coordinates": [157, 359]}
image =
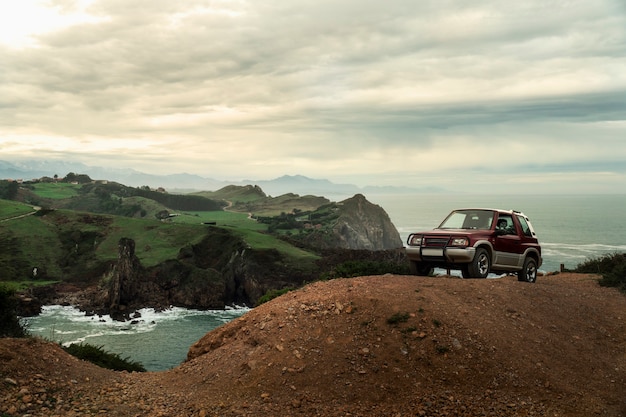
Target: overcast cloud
{"type": "Point", "coordinates": [523, 95]}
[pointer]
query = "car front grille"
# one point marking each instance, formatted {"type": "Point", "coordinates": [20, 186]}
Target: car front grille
{"type": "Point", "coordinates": [435, 241]}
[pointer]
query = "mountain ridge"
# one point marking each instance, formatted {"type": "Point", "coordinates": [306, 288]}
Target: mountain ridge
{"type": "Point", "coordinates": [185, 182]}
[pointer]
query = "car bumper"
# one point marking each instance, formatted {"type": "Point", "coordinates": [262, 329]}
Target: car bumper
{"type": "Point", "coordinates": [453, 255]}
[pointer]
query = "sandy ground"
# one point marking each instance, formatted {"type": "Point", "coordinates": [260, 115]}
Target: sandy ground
{"type": "Point", "coordinates": [370, 346]}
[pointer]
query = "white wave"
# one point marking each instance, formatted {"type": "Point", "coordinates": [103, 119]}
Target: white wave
{"type": "Point", "coordinates": [58, 322]}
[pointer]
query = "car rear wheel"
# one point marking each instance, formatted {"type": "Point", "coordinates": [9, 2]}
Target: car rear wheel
{"type": "Point", "coordinates": [480, 265]}
{"type": "Point", "coordinates": [529, 271]}
{"type": "Point", "coordinates": [420, 268]}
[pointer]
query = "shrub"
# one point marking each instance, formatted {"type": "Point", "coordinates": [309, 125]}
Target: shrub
{"type": "Point", "coordinates": [351, 269]}
{"type": "Point", "coordinates": [271, 294]}
{"type": "Point", "coordinates": [612, 267]}
{"type": "Point", "coordinates": [98, 356]}
{"type": "Point", "coordinates": [10, 325]}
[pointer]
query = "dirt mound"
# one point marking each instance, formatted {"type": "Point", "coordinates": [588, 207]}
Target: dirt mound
{"type": "Point", "coordinates": [370, 346]}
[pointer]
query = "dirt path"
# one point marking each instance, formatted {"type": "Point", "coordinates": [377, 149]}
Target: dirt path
{"type": "Point", "coordinates": [35, 208]}
{"type": "Point", "coordinates": [371, 346]}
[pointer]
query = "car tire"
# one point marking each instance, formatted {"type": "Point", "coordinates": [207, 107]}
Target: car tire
{"type": "Point", "coordinates": [529, 271]}
{"type": "Point", "coordinates": [480, 265]}
{"type": "Point", "coordinates": [420, 268]}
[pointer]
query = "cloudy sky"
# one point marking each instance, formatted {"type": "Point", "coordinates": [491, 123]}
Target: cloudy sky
{"type": "Point", "coordinates": [466, 95]}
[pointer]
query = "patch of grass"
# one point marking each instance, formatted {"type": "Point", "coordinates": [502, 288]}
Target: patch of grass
{"type": "Point", "coordinates": [9, 209]}
{"type": "Point", "coordinates": [398, 318]}
{"type": "Point", "coordinates": [436, 323]}
{"type": "Point", "coordinates": [221, 218]}
{"type": "Point", "coordinates": [98, 356]}
{"type": "Point", "coordinates": [155, 241]}
{"type": "Point", "coordinates": [55, 191]}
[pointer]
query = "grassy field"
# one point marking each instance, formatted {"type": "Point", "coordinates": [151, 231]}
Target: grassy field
{"type": "Point", "coordinates": [221, 218]}
{"type": "Point", "coordinates": [56, 190]}
{"type": "Point", "coordinates": [155, 241]}
{"type": "Point", "coordinates": [62, 240]}
{"type": "Point", "coordinates": [249, 230]}
{"type": "Point", "coordinates": [9, 209]}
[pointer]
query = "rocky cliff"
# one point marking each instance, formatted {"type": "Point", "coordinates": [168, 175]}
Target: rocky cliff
{"type": "Point", "coordinates": [222, 269]}
{"type": "Point", "coordinates": [356, 224]}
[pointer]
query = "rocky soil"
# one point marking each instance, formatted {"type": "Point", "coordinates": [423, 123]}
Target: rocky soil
{"type": "Point", "coordinates": [371, 346]}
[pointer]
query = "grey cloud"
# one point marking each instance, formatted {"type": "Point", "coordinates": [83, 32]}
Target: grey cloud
{"type": "Point", "coordinates": [348, 74]}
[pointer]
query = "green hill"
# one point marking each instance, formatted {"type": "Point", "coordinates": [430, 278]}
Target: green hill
{"type": "Point", "coordinates": [192, 249]}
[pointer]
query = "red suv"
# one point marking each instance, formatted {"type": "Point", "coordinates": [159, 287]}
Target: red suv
{"type": "Point", "coordinates": [478, 241]}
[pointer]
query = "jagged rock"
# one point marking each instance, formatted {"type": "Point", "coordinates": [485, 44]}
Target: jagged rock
{"type": "Point", "coordinates": [124, 278]}
{"type": "Point", "coordinates": [359, 225]}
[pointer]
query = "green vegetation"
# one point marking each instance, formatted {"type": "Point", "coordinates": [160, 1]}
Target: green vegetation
{"type": "Point", "coordinates": [9, 209]}
{"type": "Point", "coordinates": [271, 294]}
{"type": "Point", "coordinates": [10, 325]}
{"type": "Point", "coordinates": [364, 268]}
{"type": "Point", "coordinates": [155, 241]}
{"type": "Point", "coordinates": [220, 218]}
{"type": "Point", "coordinates": [98, 356]}
{"type": "Point", "coordinates": [55, 190]}
{"type": "Point", "coordinates": [8, 189]}
{"type": "Point", "coordinates": [612, 267]}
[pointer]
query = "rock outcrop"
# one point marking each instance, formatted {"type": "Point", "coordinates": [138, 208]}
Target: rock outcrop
{"type": "Point", "coordinates": [359, 225]}
{"type": "Point", "coordinates": [124, 279]}
{"type": "Point", "coordinates": [222, 269]}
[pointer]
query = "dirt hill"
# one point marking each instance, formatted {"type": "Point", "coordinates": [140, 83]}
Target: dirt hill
{"type": "Point", "coordinates": [371, 346]}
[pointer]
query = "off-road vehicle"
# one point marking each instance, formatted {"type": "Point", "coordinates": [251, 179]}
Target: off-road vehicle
{"type": "Point", "coordinates": [478, 242]}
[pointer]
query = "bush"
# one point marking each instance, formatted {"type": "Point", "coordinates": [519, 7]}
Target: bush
{"type": "Point", "coordinates": [612, 267]}
{"type": "Point", "coordinates": [98, 356]}
{"type": "Point", "coordinates": [271, 294]}
{"type": "Point", "coordinates": [358, 268]}
{"type": "Point", "coordinates": [10, 325]}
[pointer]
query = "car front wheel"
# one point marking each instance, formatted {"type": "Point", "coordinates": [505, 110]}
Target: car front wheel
{"type": "Point", "coordinates": [480, 265]}
{"type": "Point", "coordinates": [420, 268]}
{"type": "Point", "coordinates": [529, 271]}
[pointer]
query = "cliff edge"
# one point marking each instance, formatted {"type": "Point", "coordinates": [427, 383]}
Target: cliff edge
{"type": "Point", "coordinates": [388, 345]}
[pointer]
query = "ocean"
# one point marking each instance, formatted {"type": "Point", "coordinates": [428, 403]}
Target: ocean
{"type": "Point", "coordinates": [571, 229]}
{"type": "Point", "coordinates": [158, 340]}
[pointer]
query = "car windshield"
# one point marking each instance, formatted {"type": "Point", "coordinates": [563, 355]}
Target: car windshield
{"type": "Point", "coordinates": [468, 219]}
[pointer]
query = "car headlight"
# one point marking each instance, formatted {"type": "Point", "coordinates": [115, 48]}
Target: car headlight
{"type": "Point", "coordinates": [415, 240]}
{"type": "Point", "coordinates": [459, 241]}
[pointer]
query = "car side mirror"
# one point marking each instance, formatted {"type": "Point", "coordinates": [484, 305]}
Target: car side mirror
{"type": "Point", "coordinates": [500, 232]}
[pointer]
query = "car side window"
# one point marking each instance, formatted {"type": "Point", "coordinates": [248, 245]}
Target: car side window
{"type": "Point", "coordinates": [525, 226]}
{"type": "Point", "coordinates": [505, 223]}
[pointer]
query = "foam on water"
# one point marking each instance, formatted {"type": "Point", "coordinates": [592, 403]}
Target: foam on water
{"type": "Point", "coordinates": [158, 339]}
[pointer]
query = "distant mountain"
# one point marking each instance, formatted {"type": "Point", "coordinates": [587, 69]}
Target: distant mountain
{"type": "Point", "coordinates": [298, 184]}
{"type": "Point", "coordinates": [302, 185]}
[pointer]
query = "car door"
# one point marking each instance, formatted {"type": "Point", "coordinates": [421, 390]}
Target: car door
{"type": "Point", "coordinates": [508, 249]}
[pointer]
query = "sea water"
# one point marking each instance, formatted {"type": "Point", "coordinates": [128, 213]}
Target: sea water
{"type": "Point", "coordinates": [157, 340]}
{"type": "Point", "coordinates": [571, 229]}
